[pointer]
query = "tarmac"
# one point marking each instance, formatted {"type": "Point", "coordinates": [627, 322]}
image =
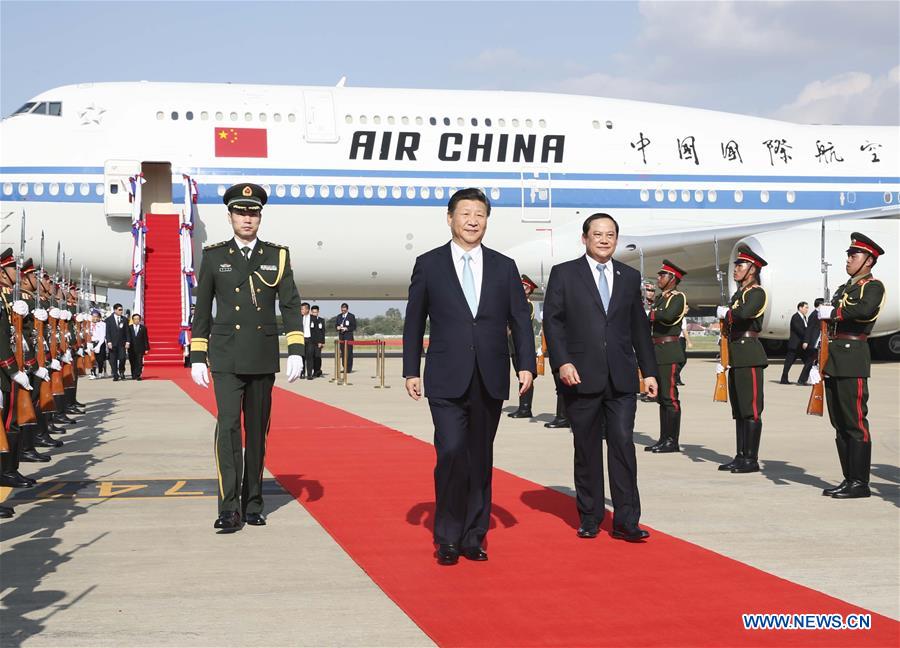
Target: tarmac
{"type": "Point", "coordinates": [115, 547]}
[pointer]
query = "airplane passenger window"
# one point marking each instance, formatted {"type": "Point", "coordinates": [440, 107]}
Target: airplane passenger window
{"type": "Point", "coordinates": [645, 195]}
{"type": "Point", "coordinates": [425, 193]}
{"type": "Point", "coordinates": [419, 121]}
{"type": "Point", "coordinates": [738, 196]}
{"type": "Point", "coordinates": [542, 123]}
{"type": "Point", "coordinates": [460, 121]}
{"type": "Point", "coordinates": [528, 123]}
{"type": "Point", "coordinates": [324, 191]}
{"type": "Point", "coordinates": [658, 195]}
{"type": "Point", "coordinates": [24, 109]}
{"type": "Point", "coordinates": [367, 191]}
{"type": "Point", "coordinates": [348, 119]}
{"type": "Point", "coordinates": [432, 121]}
{"type": "Point", "coordinates": [23, 188]}
{"type": "Point", "coordinates": [439, 193]}
{"type": "Point", "coordinates": [515, 123]}
{"type": "Point", "coordinates": [310, 191]}
{"type": "Point", "coordinates": [277, 117]}
{"type": "Point", "coordinates": [295, 191]}
{"type": "Point", "coordinates": [382, 192]}
{"type": "Point", "coordinates": [248, 116]}
{"type": "Point", "coordinates": [595, 124]}
{"type": "Point", "coordinates": [446, 121]}
{"type": "Point", "coordinates": [38, 188]}
{"type": "Point", "coordinates": [888, 197]}
{"type": "Point", "coordinates": [279, 191]}
{"type": "Point", "coordinates": [698, 195]}
{"type": "Point", "coordinates": [410, 193]}
{"type": "Point", "coordinates": [292, 117]}
{"type": "Point", "coordinates": [339, 191]}
{"type": "Point", "coordinates": [54, 188]}
{"type": "Point", "coordinates": [98, 189]}
{"type": "Point", "coordinates": [219, 116]}
{"type": "Point", "coordinates": [7, 188]}
{"type": "Point", "coordinates": [268, 189]}
{"type": "Point", "coordinates": [233, 116]}
{"type": "Point", "coordinates": [474, 122]}
{"type": "Point", "coordinates": [672, 195]}
{"type": "Point", "coordinates": [501, 122]}
{"type": "Point", "coordinates": [685, 195]}
{"type": "Point", "coordinates": [204, 115]}
{"type": "Point", "coordinates": [495, 193]}
{"type": "Point", "coordinates": [404, 120]}
{"type": "Point", "coordinates": [764, 196]}
{"type": "Point", "coordinates": [56, 108]}
{"type": "Point", "coordinates": [609, 125]}
{"type": "Point", "coordinates": [174, 115]}
{"type": "Point", "coordinates": [791, 197]}
{"type": "Point", "coordinates": [363, 119]}
{"type": "Point", "coordinates": [263, 117]}
{"type": "Point", "coordinates": [84, 189]}
{"type": "Point", "coordinates": [391, 119]}
{"type": "Point", "coordinates": [354, 191]}
{"type": "Point", "coordinates": [376, 119]}
{"type": "Point", "coordinates": [712, 194]}
{"type": "Point", "coordinates": [220, 190]}
{"type": "Point", "coordinates": [160, 114]}
{"type": "Point", "coordinates": [487, 122]}
{"type": "Point", "coordinates": [189, 115]}
{"type": "Point", "coordinates": [70, 188]}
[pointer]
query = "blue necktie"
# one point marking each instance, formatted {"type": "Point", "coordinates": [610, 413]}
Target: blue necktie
{"type": "Point", "coordinates": [603, 286]}
{"type": "Point", "coordinates": [469, 284]}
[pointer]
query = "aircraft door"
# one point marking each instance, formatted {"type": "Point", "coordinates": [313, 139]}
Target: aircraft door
{"type": "Point", "coordinates": [320, 122]}
{"type": "Point", "coordinates": [537, 196]}
{"type": "Point", "coordinates": [116, 186]}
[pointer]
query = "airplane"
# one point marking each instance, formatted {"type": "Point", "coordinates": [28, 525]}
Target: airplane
{"type": "Point", "coordinates": [358, 181]}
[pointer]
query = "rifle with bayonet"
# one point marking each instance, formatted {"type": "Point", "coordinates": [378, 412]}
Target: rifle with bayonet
{"type": "Point", "coordinates": [720, 394]}
{"type": "Point", "coordinates": [24, 407]}
{"type": "Point", "coordinates": [642, 387]}
{"type": "Point", "coordinates": [82, 359]}
{"type": "Point", "coordinates": [56, 375]}
{"type": "Point", "coordinates": [68, 371]}
{"type": "Point", "coordinates": [45, 397]}
{"type": "Point", "coordinates": [816, 404]}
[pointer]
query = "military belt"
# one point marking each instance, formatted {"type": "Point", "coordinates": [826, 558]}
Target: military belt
{"type": "Point", "coordinates": [665, 338]}
{"type": "Point", "coordinates": [848, 336]}
{"type": "Point", "coordinates": [745, 334]}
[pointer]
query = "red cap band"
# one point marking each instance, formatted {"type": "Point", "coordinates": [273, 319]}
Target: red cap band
{"type": "Point", "coordinates": [670, 269]}
{"type": "Point", "coordinates": [745, 257]}
{"type": "Point", "coordinates": [865, 246]}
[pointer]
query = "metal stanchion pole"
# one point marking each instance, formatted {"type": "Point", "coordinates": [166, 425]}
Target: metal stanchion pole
{"type": "Point", "coordinates": [344, 357]}
{"type": "Point", "coordinates": [383, 362]}
{"type": "Point", "coordinates": [336, 374]}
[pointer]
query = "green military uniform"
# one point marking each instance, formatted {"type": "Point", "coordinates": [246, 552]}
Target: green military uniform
{"type": "Point", "coordinates": [241, 346]}
{"type": "Point", "coordinates": [526, 399]}
{"type": "Point", "coordinates": [857, 305]}
{"type": "Point", "coordinates": [747, 359]}
{"type": "Point", "coordinates": [666, 314]}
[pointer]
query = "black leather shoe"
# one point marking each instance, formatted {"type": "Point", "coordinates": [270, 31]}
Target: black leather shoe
{"type": "Point", "coordinates": [54, 429]}
{"type": "Point", "coordinates": [77, 404]}
{"type": "Point", "coordinates": [255, 519]}
{"type": "Point", "coordinates": [33, 456]}
{"type": "Point", "coordinates": [855, 489]}
{"type": "Point", "coordinates": [13, 480]}
{"type": "Point", "coordinates": [784, 382]}
{"type": "Point", "coordinates": [62, 418]}
{"type": "Point", "coordinates": [6, 512]}
{"type": "Point", "coordinates": [669, 445]}
{"type": "Point", "coordinates": [47, 442]}
{"type": "Point", "coordinates": [475, 553]}
{"type": "Point", "coordinates": [310, 377]}
{"type": "Point", "coordinates": [558, 423]}
{"type": "Point", "coordinates": [447, 554]}
{"type": "Point", "coordinates": [652, 448]}
{"type": "Point", "coordinates": [29, 481]}
{"type": "Point", "coordinates": [588, 530]}
{"type": "Point", "coordinates": [139, 378]}
{"type": "Point", "coordinates": [71, 409]}
{"type": "Point", "coordinates": [520, 413]}
{"type": "Point", "coordinates": [228, 522]}
{"type": "Point", "coordinates": [840, 488]}
{"type": "Point", "coordinates": [115, 379]}
{"type": "Point", "coordinates": [630, 534]}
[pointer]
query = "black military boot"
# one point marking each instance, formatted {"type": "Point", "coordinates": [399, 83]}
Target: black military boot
{"type": "Point", "coordinates": [6, 512]}
{"type": "Point", "coordinates": [663, 429]}
{"type": "Point", "coordinates": [859, 455]}
{"type": "Point", "coordinates": [71, 404]}
{"type": "Point", "coordinates": [739, 443]}
{"type": "Point", "coordinates": [524, 410]}
{"type": "Point", "coordinates": [673, 429]}
{"type": "Point", "coordinates": [59, 400]}
{"type": "Point", "coordinates": [29, 452]}
{"type": "Point", "coordinates": [752, 436]}
{"type": "Point", "coordinates": [9, 465]}
{"type": "Point", "coordinates": [841, 444]}
{"type": "Point", "coordinates": [560, 420]}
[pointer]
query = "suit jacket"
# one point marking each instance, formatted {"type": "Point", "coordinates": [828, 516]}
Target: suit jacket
{"type": "Point", "coordinates": [139, 341]}
{"type": "Point", "coordinates": [459, 340]}
{"type": "Point", "coordinates": [798, 332]}
{"type": "Point", "coordinates": [317, 327]}
{"type": "Point", "coordinates": [116, 335]}
{"type": "Point", "coordinates": [351, 326]}
{"type": "Point", "coordinates": [813, 330]}
{"type": "Point", "coordinates": [604, 347]}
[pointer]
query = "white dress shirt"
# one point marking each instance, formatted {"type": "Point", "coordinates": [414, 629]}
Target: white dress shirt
{"type": "Point", "coordinates": [306, 330]}
{"type": "Point", "coordinates": [98, 332]}
{"type": "Point", "coordinates": [475, 264]}
{"type": "Point", "coordinates": [592, 264]}
{"type": "Point", "coordinates": [241, 244]}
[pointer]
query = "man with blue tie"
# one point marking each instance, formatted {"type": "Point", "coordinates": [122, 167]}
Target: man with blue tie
{"type": "Point", "coordinates": [597, 336]}
{"type": "Point", "coordinates": [467, 366]}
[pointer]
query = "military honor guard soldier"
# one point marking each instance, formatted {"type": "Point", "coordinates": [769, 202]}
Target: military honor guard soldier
{"type": "Point", "coordinates": [666, 314]}
{"type": "Point", "coordinates": [747, 358]}
{"type": "Point", "coordinates": [244, 276]}
{"type": "Point", "coordinates": [852, 314]}
{"type": "Point", "coordinates": [526, 399]}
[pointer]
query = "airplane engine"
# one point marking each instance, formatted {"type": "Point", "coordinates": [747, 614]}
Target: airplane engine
{"type": "Point", "coordinates": [794, 274]}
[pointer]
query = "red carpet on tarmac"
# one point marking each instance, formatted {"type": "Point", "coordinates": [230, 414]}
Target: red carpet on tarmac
{"type": "Point", "coordinates": [373, 492]}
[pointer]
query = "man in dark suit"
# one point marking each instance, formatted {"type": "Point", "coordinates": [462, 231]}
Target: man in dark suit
{"type": "Point", "coordinates": [471, 295]}
{"type": "Point", "coordinates": [137, 343]}
{"type": "Point", "coordinates": [797, 341]}
{"type": "Point", "coordinates": [346, 325]}
{"type": "Point", "coordinates": [307, 322]}
{"type": "Point", "coordinates": [116, 335]}
{"type": "Point", "coordinates": [318, 341]}
{"type": "Point", "coordinates": [811, 342]}
{"type": "Point", "coordinates": [598, 335]}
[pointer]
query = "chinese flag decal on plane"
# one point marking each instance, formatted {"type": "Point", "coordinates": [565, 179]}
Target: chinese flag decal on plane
{"type": "Point", "coordinates": [241, 142]}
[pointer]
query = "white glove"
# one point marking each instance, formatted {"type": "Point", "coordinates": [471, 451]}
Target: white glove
{"type": "Point", "coordinates": [539, 352]}
{"type": "Point", "coordinates": [97, 347]}
{"type": "Point", "coordinates": [54, 313]}
{"type": "Point", "coordinates": [54, 364]}
{"type": "Point", "coordinates": [294, 367]}
{"type": "Point", "coordinates": [67, 356]}
{"type": "Point", "coordinates": [814, 376]}
{"type": "Point", "coordinates": [199, 374]}
{"type": "Point", "coordinates": [1, 400]}
{"type": "Point", "coordinates": [22, 379]}
{"type": "Point", "coordinates": [20, 308]}
{"type": "Point", "coordinates": [719, 368]}
{"type": "Point", "coordinates": [825, 312]}
{"type": "Point", "coordinates": [722, 312]}
{"type": "Point", "coordinates": [79, 317]}
{"type": "Point", "coordinates": [40, 314]}
{"type": "Point", "coordinates": [80, 352]}
{"type": "Point", "coordinates": [43, 374]}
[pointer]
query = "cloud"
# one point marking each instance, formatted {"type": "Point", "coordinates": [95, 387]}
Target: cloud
{"type": "Point", "coordinates": [851, 97]}
{"type": "Point", "coordinates": [600, 84]}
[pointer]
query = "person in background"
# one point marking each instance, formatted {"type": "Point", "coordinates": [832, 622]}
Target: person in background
{"type": "Point", "coordinates": [115, 342]}
{"type": "Point", "coordinates": [525, 400]}
{"type": "Point", "coordinates": [346, 325]}
{"type": "Point", "coordinates": [138, 344]}
{"type": "Point", "coordinates": [797, 342]}
{"type": "Point", "coordinates": [308, 322]}
{"type": "Point", "coordinates": [98, 340]}
{"type": "Point", "coordinates": [318, 341]}
{"type": "Point", "coordinates": [811, 342]}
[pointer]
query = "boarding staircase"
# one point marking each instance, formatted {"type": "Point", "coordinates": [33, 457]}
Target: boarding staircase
{"type": "Point", "coordinates": [162, 290]}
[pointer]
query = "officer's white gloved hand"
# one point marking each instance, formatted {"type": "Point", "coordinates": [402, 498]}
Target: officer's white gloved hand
{"type": "Point", "coordinates": [825, 312]}
{"type": "Point", "coordinates": [40, 314]}
{"type": "Point", "coordinates": [294, 367]}
{"type": "Point", "coordinates": [21, 378]}
{"type": "Point", "coordinates": [722, 312]}
{"type": "Point", "coordinates": [814, 376]}
{"type": "Point", "coordinates": [54, 313]}
{"type": "Point", "coordinates": [54, 364]}
{"type": "Point", "coordinates": [80, 352]}
{"type": "Point", "coordinates": [199, 373]}
{"type": "Point", "coordinates": [539, 352]}
{"type": "Point", "coordinates": [1, 400]}
{"type": "Point", "coordinates": [719, 368]}
{"type": "Point", "coordinates": [67, 356]}
{"type": "Point", "coordinates": [43, 374]}
{"type": "Point", "coordinates": [20, 308]}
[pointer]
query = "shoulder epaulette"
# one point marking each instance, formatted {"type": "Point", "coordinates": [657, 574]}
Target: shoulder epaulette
{"type": "Point", "coordinates": [217, 245]}
{"type": "Point", "coordinates": [275, 245]}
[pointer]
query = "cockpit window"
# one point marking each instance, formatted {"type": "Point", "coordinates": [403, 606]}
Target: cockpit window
{"type": "Point", "coordinates": [43, 108]}
{"type": "Point", "coordinates": [26, 108]}
{"type": "Point", "coordinates": [55, 108]}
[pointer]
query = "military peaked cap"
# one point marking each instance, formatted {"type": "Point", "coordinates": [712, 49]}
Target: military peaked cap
{"type": "Point", "coordinates": [862, 243]}
{"type": "Point", "coordinates": [246, 195]}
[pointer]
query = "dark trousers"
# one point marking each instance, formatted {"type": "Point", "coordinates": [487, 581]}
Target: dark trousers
{"type": "Point", "coordinates": [464, 430]}
{"type": "Point", "coordinates": [683, 342]}
{"type": "Point", "coordinates": [587, 413]}
{"type": "Point", "coordinates": [848, 407]}
{"type": "Point", "coordinates": [100, 359]}
{"type": "Point", "coordinates": [137, 363]}
{"type": "Point", "coordinates": [668, 388]}
{"type": "Point", "coordinates": [745, 392]}
{"type": "Point", "coordinates": [117, 361]}
{"type": "Point", "coordinates": [810, 357]}
{"type": "Point", "coordinates": [240, 472]}
{"type": "Point", "coordinates": [348, 349]}
{"type": "Point", "coordinates": [309, 359]}
{"type": "Point", "coordinates": [790, 358]}
{"type": "Point", "coordinates": [317, 359]}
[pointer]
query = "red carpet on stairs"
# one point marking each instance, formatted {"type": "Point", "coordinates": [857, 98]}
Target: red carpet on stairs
{"type": "Point", "coordinates": [162, 294]}
{"type": "Point", "coordinates": [371, 488]}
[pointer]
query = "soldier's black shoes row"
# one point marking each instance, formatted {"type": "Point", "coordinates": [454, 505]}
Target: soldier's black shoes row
{"type": "Point", "coordinates": [558, 422]}
{"type": "Point", "coordinates": [475, 554]}
{"type": "Point", "coordinates": [34, 456]}
{"type": "Point", "coordinates": [856, 460]}
{"type": "Point", "coordinates": [630, 533]}
{"type": "Point", "coordinates": [447, 554]}
{"type": "Point", "coordinates": [6, 512]}
{"type": "Point", "coordinates": [228, 522]}
{"type": "Point", "coordinates": [589, 529]}
{"type": "Point", "coordinates": [255, 519]}
{"type": "Point", "coordinates": [15, 479]}
{"type": "Point", "coordinates": [669, 431]}
{"type": "Point", "coordinates": [665, 446]}
{"type": "Point", "coordinates": [520, 413]}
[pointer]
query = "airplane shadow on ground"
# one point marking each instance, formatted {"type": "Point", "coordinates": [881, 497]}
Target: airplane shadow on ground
{"type": "Point", "coordinates": [30, 546]}
{"type": "Point", "coordinates": [422, 514]}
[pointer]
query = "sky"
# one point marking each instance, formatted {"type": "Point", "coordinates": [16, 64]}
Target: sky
{"type": "Point", "coordinates": [810, 62]}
